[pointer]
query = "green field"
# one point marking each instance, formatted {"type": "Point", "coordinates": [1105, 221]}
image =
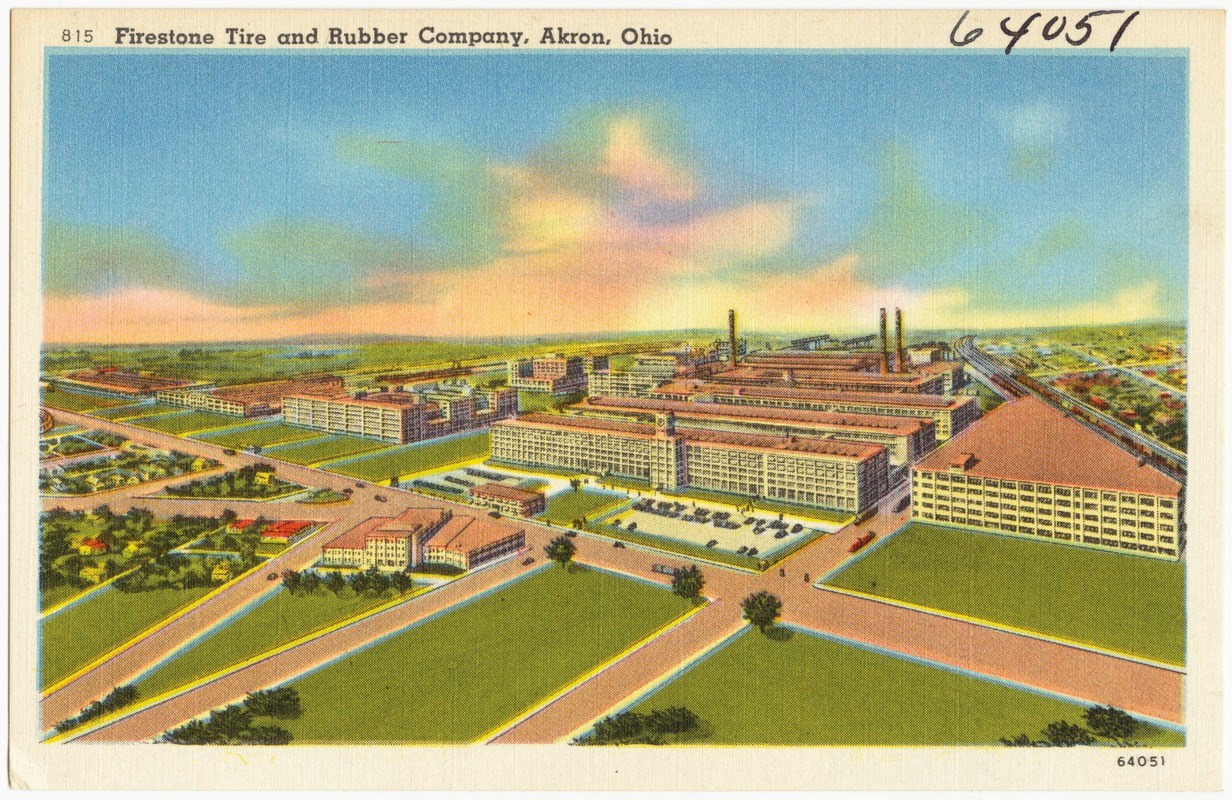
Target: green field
{"type": "Point", "coordinates": [458, 676]}
{"type": "Point", "coordinates": [77, 635]}
{"type": "Point", "coordinates": [49, 598]}
{"type": "Point", "coordinates": [569, 505]}
{"type": "Point", "coordinates": [122, 412]}
{"type": "Point", "coordinates": [1129, 604]}
{"type": "Point", "coordinates": [280, 619]}
{"type": "Point", "coordinates": [259, 435]}
{"type": "Point", "coordinates": [316, 450]}
{"type": "Point", "coordinates": [80, 401]}
{"type": "Point", "coordinates": [801, 689]}
{"type": "Point", "coordinates": [187, 422]}
{"type": "Point", "coordinates": [416, 458]}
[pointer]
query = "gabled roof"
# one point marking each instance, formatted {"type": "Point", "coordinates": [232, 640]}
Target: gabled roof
{"type": "Point", "coordinates": [1030, 440]}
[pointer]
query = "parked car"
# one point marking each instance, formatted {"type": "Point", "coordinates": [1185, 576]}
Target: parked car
{"type": "Point", "coordinates": [620, 545]}
{"type": "Point", "coordinates": [229, 452]}
{"type": "Point", "coordinates": [380, 498]}
{"type": "Point", "coordinates": [571, 534]}
{"type": "Point", "coordinates": [359, 484]}
{"type": "Point", "coordinates": [528, 561]}
{"type": "Point", "coordinates": [273, 576]}
{"type": "Point", "coordinates": [712, 542]}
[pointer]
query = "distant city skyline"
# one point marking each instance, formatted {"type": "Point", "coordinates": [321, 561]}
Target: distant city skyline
{"type": "Point", "coordinates": [247, 197]}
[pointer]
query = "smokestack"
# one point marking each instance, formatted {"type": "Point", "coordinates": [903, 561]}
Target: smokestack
{"type": "Point", "coordinates": [898, 337]}
{"type": "Point", "coordinates": [731, 336]}
{"type": "Point", "coordinates": [885, 345]}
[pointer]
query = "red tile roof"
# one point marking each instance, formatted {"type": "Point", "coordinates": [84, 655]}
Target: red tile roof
{"type": "Point", "coordinates": [405, 524]}
{"type": "Point", "coordinates": [801, 444]}
{"type": "Point", "coordinates": [902, 426]}
{"type": "Point", "coordinates": [929, 401]}
{"type": "Point", "coordinates": [1029, 440]}
{"type": "Point", "coordinates": [500, 491]}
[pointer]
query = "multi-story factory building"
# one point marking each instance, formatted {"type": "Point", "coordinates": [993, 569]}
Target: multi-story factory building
{"type": "Point", "coordinates": [251, 399]}
{"type": "Point", "coordinates": [399, 416]}
{"type": "Point", "coordinates": [1028, 469]}
{"type": "Point", "coordinates": [951, 414]}
{"type": "Point", "coordinates": [647, 373]}
{"type": "Point", "coordinates": [826, 473]}
{"type": "Point", "coordinates": [906, 439]}
{"type": "Point", "coordinates": [554, 374]}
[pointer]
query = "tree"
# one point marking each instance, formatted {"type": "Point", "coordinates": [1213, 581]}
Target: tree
{"type": "Point", "coordinates": [402, 582]}
{"type": "Point", "coordinates": [280, 703]}
{"type": "Point", "coordinates": [1021, 740]}
{"type": "Point", "coordinates": [1067, 734]}
{"type": "Point", "coordinates": [309, 582]}
{"type": "Point", "coordinates": [561, 550]}
{"type": "Point", "coordinates": [676, 719]}
{"type": "Point", "coordinates": [291, 581]}
{"type": "Point", "coordinates": [1110, 723]}
{"type": "Point", "coordinates": [575, 483]}
{"type": "Point", "coordinates": [762, 609]}
{"type": "Point", "coordinates": [335, 582]}
{"type": "Point", "coordinates": [688, 582]}
{"type": "Point", "coordinates": [230, 722]}
{"type": "Point", "coordinates": [227, 516]}
{"type": "Point", "coordinates": [266, 735]}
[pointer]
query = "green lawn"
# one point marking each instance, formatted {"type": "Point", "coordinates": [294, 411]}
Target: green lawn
{"type": "Point", "coordinates": [77, 635]}
{"type": "Point", "coordinates": [187, 422]}
{"type": "Point", "coordinates": [315, 450]}
{"type": "Point", "coordinates": [281, 619]}
{"type": "Point", "coordinates": [261, 435]}
{"type": "Point", "coordinates": [1130, 604]}
{"type": "Point", "coordinates": [49, 598]}
{"type": "Point", "coordinates": [458, 676]}
{"type": "Point", "coordinates": [569, 505]}
{"type": "Point", "coordinates": [415, 458]}
{"type": "Point", "coordinates": [122, 412]}
{"type": "Point", "coordinates": [807, 690]}
{"type": "Point", "coordinates": [80, 401]}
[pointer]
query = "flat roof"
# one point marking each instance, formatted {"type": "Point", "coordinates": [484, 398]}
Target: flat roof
{"type": "Point", "coordinates": [503, 492]}
{"type": "Point", "coordinates": [902, 426]}
{"type": "Point", "coordinates": [397, 400]}
{"type": "Point", "coordinates": [275, 390]}
{"type": "Point", "coordinates": [1029, 440]}
{"type": "Point", "coordinates": [929, 401]}
{"type": "Point", "coordinates": [840, 448]}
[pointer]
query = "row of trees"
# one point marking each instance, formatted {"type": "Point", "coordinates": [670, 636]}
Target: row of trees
{"type": "Point", "coordinates": [177, 571]}
{"type": "Point", "coordinates": [117, 698]}
{"type": "Point", "coordinates": [235, 724]}
{"type": "Point", "coordinates": [630, 727]}
{"type": "Point", "coordinates": [1104, 722]}
{"type": "Point", "coordinates": [370, 581]}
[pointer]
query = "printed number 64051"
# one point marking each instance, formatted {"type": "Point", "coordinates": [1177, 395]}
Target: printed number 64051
{"type": "Point", "coordinates": [1140, 761]}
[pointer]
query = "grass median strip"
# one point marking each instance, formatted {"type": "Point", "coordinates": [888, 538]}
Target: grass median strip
{"type": "Point", "coordinates": [414, 458]}
{"type": "Point", "coordinates": [280, 619]}
{"type": "Point", "coordinates": [795, 688]}
{"type": "Point", "coordinates": [457, 676]}
{"type": "Point", "coordinates": [1123, 603]}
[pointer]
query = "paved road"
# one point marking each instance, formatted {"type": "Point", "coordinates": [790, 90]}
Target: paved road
{"type": "Point", "coordinates": [620, 682]}
{"type": "Point", "coordinates": [1066, 670]}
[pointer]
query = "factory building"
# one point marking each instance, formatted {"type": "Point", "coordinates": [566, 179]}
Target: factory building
{"type": "Point", "coordinates": [1030, 470]}
{"type": "Point", "coordinates": [554, 374]}
{"type": "Point", "coordinates": [906, 439]}
{"type": "Point", "coordinates": [825, 473]}
{"type": "Point", "coordinates": [647, 373]}
{"type": "Point", "coordinates": [251, 399]}
{"type": "Point", "coordinates": [114, 382]}
{"type": "Point", "coordinates": [399, 416]}
{"type": "Point", "coordinates": [951, 414]}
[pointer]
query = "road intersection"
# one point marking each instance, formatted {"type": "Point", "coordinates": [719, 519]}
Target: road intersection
{"type": "Point", "coordinates": [1072, 671]}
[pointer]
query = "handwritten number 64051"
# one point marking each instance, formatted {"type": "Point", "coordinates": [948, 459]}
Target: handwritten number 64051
{"type": "Point", "coordinates": [1053, 28]}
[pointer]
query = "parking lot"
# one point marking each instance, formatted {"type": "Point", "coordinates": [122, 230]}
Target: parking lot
{"type": "Point", "coordinates": [710, 525]}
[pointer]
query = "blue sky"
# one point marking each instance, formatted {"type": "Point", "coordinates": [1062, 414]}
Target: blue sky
{"type": "Point", "coordinates": [332, 193]}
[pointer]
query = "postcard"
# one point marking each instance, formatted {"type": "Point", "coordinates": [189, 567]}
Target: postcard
{"type": "Point", "coordinates": [616, 399]}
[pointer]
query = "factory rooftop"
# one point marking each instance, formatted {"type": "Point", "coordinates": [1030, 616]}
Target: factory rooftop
{"type": "Point", "coordinates": [799, 444]}
{"type": "Point", "coordinates": [405, 524]}
{"type": "Point", "coordinates": [928, 401]}
{"type": "Point", "coordinates": [1029, 440]}
{"type": "Point", "coordinates": [902, 426]}
{"type": "Point", "coordinates": [463, 533]}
